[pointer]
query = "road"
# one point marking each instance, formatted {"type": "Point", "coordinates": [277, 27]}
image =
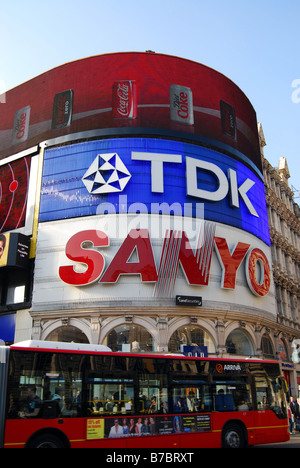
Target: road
{"type": "Point", "coordinates": [294, 442]}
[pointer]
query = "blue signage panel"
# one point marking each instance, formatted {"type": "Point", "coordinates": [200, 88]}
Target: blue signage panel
{"type": "Point", "coordinates": [124, 175]}
{"type": "Point", "coordinates": [7, 327]}
{"type": "Point", "coordinates": [195, 351]}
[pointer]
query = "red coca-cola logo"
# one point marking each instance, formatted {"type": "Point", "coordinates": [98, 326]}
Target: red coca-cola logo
{"type": "Point", "coordinates": [62, 109]}
{"type": "Point", "coordinates": [124, 100]}
{"type": "Point", "coordinates": [183, 106]}
{"type": "Point", "coordinates": [21, 126]}
{"type": "Point", "coordinates": [123, 94]}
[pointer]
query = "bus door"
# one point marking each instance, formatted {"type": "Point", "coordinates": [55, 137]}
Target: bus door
{"type": "Point", "coordinates": [271, 406]}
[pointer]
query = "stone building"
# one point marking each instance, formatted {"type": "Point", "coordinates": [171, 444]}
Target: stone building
{"type": "Point", "coordinates": [284, 223]}
{"type": "Point", "coordinates": [177, 139]}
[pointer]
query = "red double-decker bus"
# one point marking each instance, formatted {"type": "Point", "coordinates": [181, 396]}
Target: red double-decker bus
{"type": "Point", "coordinates": [75, 395]}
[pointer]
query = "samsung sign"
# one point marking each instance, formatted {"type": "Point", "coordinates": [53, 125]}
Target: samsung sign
{"type": "Point", "coordinates": [144, 175]}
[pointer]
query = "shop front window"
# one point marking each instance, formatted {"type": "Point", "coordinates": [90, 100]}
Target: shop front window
{"type": "Point", "coordinates": [190, 335]}
{"type": "Point", "coordinates": [67, 334]}
{"type": "Point", "coordinates": [129, 338]}
{"type": "Point", "coordinates": [239, 343]}
{"type": "Point", "coordinates": [267, 347]}
{"type": "Point", "coordinates": [283, 352]}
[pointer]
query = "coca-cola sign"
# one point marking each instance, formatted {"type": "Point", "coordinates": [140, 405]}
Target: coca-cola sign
{"type": "Point", "coordinates": [228, 119]}
{"type": "Point", "coordinates": [62, 109]}
{"type": "Point", "coordinates": [124, 99]}
{"type": "Point", "coordinates": [21, 125]}
{"type": "Point", "coordinates": [181, 104]}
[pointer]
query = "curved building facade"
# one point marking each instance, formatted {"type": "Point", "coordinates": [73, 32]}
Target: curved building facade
{"type": "Point", "coordinates": [145, 208]}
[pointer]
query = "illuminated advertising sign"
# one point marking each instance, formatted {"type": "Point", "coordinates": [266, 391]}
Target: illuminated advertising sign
{"type": "Point", "coordinates": [14, 182]}
{"type": "Point", "coordinates": [144, 175]}
{"type": "Point", "coordinates": [176, 249]}
{"type": "Point", "coordinates": [62, 109]}
{"type": "Point", "coordinates": [88, 264]}
{"type": "Point", "coordinates": [21, 125]}
{"type": "Point", "coordinates": [131, 94]}
{"type": "Point", "coordinates": [4, 245]}
{"type": "Point", "coordinates": [14, 250]}
{"type": "Point", "coordinates": [7, 328]}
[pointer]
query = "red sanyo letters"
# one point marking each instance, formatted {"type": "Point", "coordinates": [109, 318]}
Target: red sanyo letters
{"type": "Point", "coordinates": [176, 250]}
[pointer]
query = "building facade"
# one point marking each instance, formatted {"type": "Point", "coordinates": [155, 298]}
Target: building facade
{"type": "Point", "coordinates": [146, 212]}
{"type": "Point", "coordinates": [284, 221]}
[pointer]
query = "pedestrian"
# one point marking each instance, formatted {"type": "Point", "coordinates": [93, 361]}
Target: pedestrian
{"type": "Point", "coordinates": [291, 418]}
{"type": "Point", "coordinates": [294, 406]}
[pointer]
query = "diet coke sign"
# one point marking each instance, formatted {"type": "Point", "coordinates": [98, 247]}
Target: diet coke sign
{"type": "Point", "coordinates": [181, 104]}
{"type": "Point", "coordinates": [21, 125]}
{"type": "Point", "coordinates": [124, 99]}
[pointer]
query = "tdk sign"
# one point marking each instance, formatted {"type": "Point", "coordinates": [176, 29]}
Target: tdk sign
{"type": "Point", "coordinates": [192, 167]}
{"type": "Point", "coordinates": [153, 176]}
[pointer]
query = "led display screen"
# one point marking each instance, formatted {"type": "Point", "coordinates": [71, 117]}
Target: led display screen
{"type": "Point", "coordinates": [14, 249]}
{"type": "Point", "coordinates": [132, 93]}
{"type": "Point", "coordinates": [14, 182]}
{"type": "Point", "coordinates": [7, 328]}
{"type": "Point", "coordinates": [148, 175]}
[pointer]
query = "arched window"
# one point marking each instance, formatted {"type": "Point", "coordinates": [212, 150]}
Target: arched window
{"type": "Point", "coordinates": [67, 334]}
{"type": "Point", "coordinates": [190, 335]}
{"type": "Point", "coordinates": [238, 342]}
{"type": "Point", "coordinates": [283, 351]}
{"type": "Point", "coordinates": [267, 347]}
{"type": "Point", "coordinates": [129, 338]}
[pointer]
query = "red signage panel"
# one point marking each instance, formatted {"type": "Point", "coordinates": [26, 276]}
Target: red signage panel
{"type": "Point", "coordinates": [147, 92]}
{"type": "Point", "coordinates": [14, 181]}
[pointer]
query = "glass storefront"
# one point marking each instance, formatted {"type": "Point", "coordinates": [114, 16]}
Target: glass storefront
{"type": "Point", "coordinates": [68, 334]}
{"type": "Point", "coordinates": [238, 342]}
{"type": "Point", "coordinates": [190, 335]}
{"type": "Point", "coordinates": [130, 338]}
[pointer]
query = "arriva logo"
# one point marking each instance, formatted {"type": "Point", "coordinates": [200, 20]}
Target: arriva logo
{"type": "Point", "coordinates": [228, 367]}
{"type": "Point", "coordinates": [232, 367]}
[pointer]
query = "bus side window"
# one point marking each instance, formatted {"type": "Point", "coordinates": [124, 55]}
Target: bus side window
{"type": "Point", "coordinates": [232, 393]}
{"type": "Point", "coordinates": [224, 402]}
{"type": "Point", "coordinates": [189, 400]}
{"type": "Point", "coordinates": [108, 396]}
{"type": "Point", "coordinates": [153, 394]}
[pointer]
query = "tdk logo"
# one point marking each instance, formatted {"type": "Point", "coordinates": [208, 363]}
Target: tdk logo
{"type": "Point", "coordinates": [108, 173]}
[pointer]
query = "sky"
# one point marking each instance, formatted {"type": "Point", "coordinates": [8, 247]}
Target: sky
{"type": "Point", "coordinates": [254, 43]}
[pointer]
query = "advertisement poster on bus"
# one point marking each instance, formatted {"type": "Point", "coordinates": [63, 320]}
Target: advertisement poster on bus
{"type": "Point", "coordinates": [100, 428]}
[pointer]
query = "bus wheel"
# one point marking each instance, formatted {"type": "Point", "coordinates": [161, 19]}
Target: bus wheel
{"type": "Point", "coordinates": [46, 441]}
{"type": "Point", "coordinates": [233, 436]}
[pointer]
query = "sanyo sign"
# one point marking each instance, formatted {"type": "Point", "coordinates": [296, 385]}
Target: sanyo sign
{"type": "Point", "coordinates": [90, 250]}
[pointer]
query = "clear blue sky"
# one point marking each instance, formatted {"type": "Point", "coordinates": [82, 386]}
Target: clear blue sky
{"type": "Point", "coordinates": [255, 43]}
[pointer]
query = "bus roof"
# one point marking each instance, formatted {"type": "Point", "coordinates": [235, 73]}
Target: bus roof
{"type": "Point", "coordinates": [96, 348]}
{"type": "Point", "coordinates": [36, 344]}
